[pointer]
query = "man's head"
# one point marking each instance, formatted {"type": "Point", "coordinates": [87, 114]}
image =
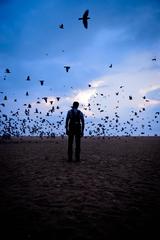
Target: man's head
{"type": "Point", "coordinates": [75, 104]}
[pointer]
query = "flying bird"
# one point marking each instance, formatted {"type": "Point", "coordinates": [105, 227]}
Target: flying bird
{"type": "Point", "coordinates": [154, 59]}
{"type": "Point", "coordinates": [67, 68]}
{"type": "Point", "coordinates": [110, 66]}
{"type": "Point", "coordinates": [7, 70]}
{"type": "Point", "coordinates": [52, 109]}
{"type": "Point", "coordinates": [61, 26]}
{"type": "Point", "coordinates": [41, 82]}
{"type": "Point", "coordinates": [45, 99]}
{"type": "Point", "coordinates": [85, 18]}
{"type": "Point", "coordinates": [28, 78]}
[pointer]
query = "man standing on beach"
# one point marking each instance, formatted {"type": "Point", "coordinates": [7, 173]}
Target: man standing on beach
{"type": "Point", "coordinates": [74, 129]}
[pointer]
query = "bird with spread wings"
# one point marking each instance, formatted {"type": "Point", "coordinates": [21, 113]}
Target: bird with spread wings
{"type": "Point", "coordinates": [85, 18]}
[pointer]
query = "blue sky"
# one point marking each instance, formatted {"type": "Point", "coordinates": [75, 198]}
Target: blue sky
{"type": "Point", "coordinates": [123, 33]}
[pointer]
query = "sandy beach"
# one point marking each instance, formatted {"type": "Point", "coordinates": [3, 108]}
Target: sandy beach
{"type": "Point", "coordinates": [114, 191]}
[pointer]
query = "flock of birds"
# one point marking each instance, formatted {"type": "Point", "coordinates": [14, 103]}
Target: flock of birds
{"type": "Point", "coordinates": [37, 124]}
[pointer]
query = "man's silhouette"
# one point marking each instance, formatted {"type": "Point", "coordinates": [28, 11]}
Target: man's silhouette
{"type": "Point", "coordinates": [74, 129]}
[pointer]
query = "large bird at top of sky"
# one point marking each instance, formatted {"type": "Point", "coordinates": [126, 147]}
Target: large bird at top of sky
{"type": "Point", "coordinates": [85, 18]}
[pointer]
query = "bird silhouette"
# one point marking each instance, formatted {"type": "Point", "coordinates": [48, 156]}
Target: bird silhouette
{"type": "Point", "coordinates": [154, 59]}
{"type": "Point", "coordinates": [52, 109]}
{"type": "Point", "coordinates": [28, 78]}
{"type": "Point", "coordinates": [41, 82]}
{"type": "Point", "coordinates": [67, 68]}
{"type": "Point", "coordinates": [85, 18]}
{"type": "Point", "coordinates": [7, 70]}
{"type": "Point", "coordinates": [110, 66]}
{"type": "Point", "coordinates": [45, 99]}
{"type": "Point", "coordinates": [61, 26]}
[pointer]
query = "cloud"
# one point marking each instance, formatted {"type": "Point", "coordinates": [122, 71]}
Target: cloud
{"type": "Point", "coordinates": [84, 96]}
{"type": "Point", "coordinates": [149, 89]}
{"type": "Point", "coordinates": [137, 78]}
{"type": "Point", "coordinates": [98, 83]}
